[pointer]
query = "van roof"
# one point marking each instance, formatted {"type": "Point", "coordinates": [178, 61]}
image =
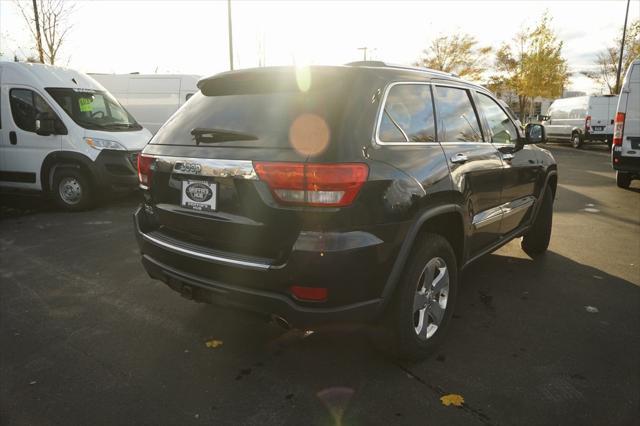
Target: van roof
{"type": "Point", "coordinates": [138, 75]}
{"type": "Point", "coordinates": [42, 75]}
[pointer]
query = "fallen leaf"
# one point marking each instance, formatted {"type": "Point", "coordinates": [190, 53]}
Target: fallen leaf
{"type": "Point", "coordinates": [452, 399]}
{"type": "Point", "coordinates": [213, 343]}
{"type": "Point", "coordinates": [591, 309]}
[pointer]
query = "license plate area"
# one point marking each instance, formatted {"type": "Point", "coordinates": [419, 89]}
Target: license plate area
{"type": "Point", "coordinates": [199, 195]}
{"type": "Point", "coordinates": [598, 128]}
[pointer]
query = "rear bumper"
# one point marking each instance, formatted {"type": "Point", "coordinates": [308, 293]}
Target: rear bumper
{"type": "Point", "coordinates": [350, 265]}
{"type": "Point", "coordinates": [604, 137]}
{"type": "Point", "coordinates": [625, 163]}
{"type": "Point", "coordinates": [116, 170]}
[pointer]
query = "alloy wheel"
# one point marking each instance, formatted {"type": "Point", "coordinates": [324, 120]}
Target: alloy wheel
{"type": "Point", "coordinates": [430, 299]}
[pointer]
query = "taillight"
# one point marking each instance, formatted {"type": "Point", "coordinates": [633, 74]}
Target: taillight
{"type": "Point", "coordinates": [618, 129]}
{"type": "Point", "coordinates": [322, 185]}
{"type": "Point", "coordinates": [144, 170]}
{"type": "Point", "coordinates": [587, 123]}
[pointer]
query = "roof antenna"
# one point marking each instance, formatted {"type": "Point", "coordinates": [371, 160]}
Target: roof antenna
{"type": "Point", "coordinates": [74, 80]}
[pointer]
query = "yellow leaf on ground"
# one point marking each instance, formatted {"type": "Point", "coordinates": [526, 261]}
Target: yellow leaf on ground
{"type": "Point", "coordinates": [213, 343]}
{"type": "Point", "coordinates": [452, 399]}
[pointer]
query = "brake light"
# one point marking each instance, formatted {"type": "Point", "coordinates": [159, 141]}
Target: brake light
{"type": "Point", "coordinates": [618, 129]}
{"type": "Point", "coordinates": [322, 185]}
{"type": "Point", "coordinates": [587, 123]}
{"type": "Point", "coordinates": [145, 171]}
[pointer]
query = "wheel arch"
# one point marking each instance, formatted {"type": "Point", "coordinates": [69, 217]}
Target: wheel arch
{"type": "Point", "coordinates": [445, 220]}
{"type": "Point", "coordinates": [65, 159]}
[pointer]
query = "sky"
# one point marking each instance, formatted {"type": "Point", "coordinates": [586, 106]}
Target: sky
{"type": "Point", "coordinates": [191, 37]}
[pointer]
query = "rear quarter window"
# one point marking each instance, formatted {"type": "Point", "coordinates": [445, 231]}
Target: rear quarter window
{"type": "Point", "coordinates": [407, 115]}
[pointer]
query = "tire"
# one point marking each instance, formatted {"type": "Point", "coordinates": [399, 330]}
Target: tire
{"type": "Point", "coordinates": [623, 180]}
{"type": "Point", "coordinates": [536, 240]}
{"type": "Point", "coordinates": [411, 334]}
{"type": "Point", "coordinates": [576, 140]}
{"type": "Point", "coordinates": [72, 190]}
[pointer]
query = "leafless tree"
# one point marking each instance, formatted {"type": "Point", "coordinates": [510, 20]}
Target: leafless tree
{"type": "Point", "coordinates": [605, 66]}
{"type": "Point", "coordinates": [48, 22]}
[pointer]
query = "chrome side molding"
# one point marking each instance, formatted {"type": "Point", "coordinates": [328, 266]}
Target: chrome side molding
{"type": "Point", "coordinates": [495, 214]}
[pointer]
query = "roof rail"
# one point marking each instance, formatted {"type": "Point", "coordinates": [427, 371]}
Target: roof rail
{"type": "Point", "coordinates": [367, 64]}
{"type": "Point", "coordinates": [404, 67]}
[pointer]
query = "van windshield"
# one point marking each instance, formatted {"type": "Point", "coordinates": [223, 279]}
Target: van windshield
{"type": "Point", "coordinates": [94, 109]}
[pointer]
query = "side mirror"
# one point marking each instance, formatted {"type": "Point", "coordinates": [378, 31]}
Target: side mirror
{"type": "Point", "coordinates": [534, 133]}
{"type": "Point", "coordinates": [45, 125]}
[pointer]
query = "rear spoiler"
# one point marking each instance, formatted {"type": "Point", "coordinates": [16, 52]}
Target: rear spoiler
{"type": "Point", "coordinates": [269, 80]}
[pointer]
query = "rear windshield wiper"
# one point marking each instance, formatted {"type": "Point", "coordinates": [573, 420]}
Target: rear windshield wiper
{"type": "Point", "coordinates": [205, 135]}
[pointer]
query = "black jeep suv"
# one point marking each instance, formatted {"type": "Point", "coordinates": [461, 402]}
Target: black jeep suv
{"type": "Point", "coordinates": [341, 193]}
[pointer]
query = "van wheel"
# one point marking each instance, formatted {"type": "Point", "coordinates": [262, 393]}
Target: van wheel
{"type": "Point", "coordinates": [72, 190]}
{"type": "Point", "coordinates": [623, 180]}
{"type": "Point", "coordinates": [576, 140]}
{"type": "Point", "coordinates": [536, 240]}
{"type": "Point", "coordinates": [424, 301]}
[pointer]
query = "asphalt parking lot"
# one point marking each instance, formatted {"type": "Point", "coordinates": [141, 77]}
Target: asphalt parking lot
{"type": "Point", "coordinates": [87, 338]}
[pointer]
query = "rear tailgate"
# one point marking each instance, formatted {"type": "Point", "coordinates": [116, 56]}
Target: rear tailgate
{"type": "Point", "coordinates": [212, 142]}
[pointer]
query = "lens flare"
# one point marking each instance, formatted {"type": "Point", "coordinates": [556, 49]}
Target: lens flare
{"type": "Point", "coordinates": [336, 400]}
{"type": "Point", "coordinates": [303, 77]}
{"type": "Point", "coordinates": [309, 134]}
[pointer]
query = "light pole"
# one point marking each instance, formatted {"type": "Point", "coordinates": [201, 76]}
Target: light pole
{"type": "Point", "coordinates": [230, 35]}
{"type": "Point", "coordinates": [364, 51]}
{"type": "Point", "coordinates": [624, 35]}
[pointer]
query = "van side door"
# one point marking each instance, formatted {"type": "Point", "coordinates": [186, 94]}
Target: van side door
{"type": "Point", "coordinates": [475, 165]}
{"type": "Point", "coordinates": [23, 150]}
{"type": "Point", "coordinates": [521, 171]}
{"type": "Point", "coordinates": [556, 126]}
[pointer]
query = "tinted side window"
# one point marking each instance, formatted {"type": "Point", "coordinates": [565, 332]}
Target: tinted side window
{"type": "Point", "coordinates": [558, 114]}
{"type": "Point", "coordinates": [408, 115]}
{"type": "Point", "coordinates": [22, 109]}
{"type": "Point", "coordinates": [457, 120]}
{"type": "Point", "coordinates": [25, 106]}
{"type": "Point", "coordinates": [578, 113]}
{"type": "Point", "coordinates": [502, 129]}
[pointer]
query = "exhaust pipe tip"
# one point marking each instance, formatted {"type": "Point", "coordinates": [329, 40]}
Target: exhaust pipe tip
{"type": "Point", "coordinates": [281, 322]}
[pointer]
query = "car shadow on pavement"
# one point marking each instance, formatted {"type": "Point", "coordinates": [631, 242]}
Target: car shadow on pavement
{"type": "Point", "coordinates": [570, 201]}
{"type": "Point", "coordinates": [587, 146]}
{"type": "Point", "coordinates": [528, 338]}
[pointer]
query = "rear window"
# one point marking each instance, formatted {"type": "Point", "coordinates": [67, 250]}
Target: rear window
{"type": "Point", "coordinates": [252, 116]}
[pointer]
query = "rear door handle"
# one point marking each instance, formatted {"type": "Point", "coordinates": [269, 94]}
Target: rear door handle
{"type": "Point", "coordinates": [13, 138]}
{"type": "Point", "coordinates": [459, 158]}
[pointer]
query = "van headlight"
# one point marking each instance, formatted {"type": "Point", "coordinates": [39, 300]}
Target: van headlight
{"type": "Point", "coordinates": [104, 144]}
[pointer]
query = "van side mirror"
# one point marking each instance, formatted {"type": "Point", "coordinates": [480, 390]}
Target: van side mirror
{"type": "Point", "coordinates": [45, 125]}
{"type": "Point", "coordinates": [534, 133]}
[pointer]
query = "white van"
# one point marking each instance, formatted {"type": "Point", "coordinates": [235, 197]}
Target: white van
{"type": "Point", "coordinates": [63, 134]}
{"type": "Point", "coordinates": [151, 98]}
{"type": "Point", "coordinates": [625, 155]}
{"type": "Point", "coordinates": [581, 118]}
